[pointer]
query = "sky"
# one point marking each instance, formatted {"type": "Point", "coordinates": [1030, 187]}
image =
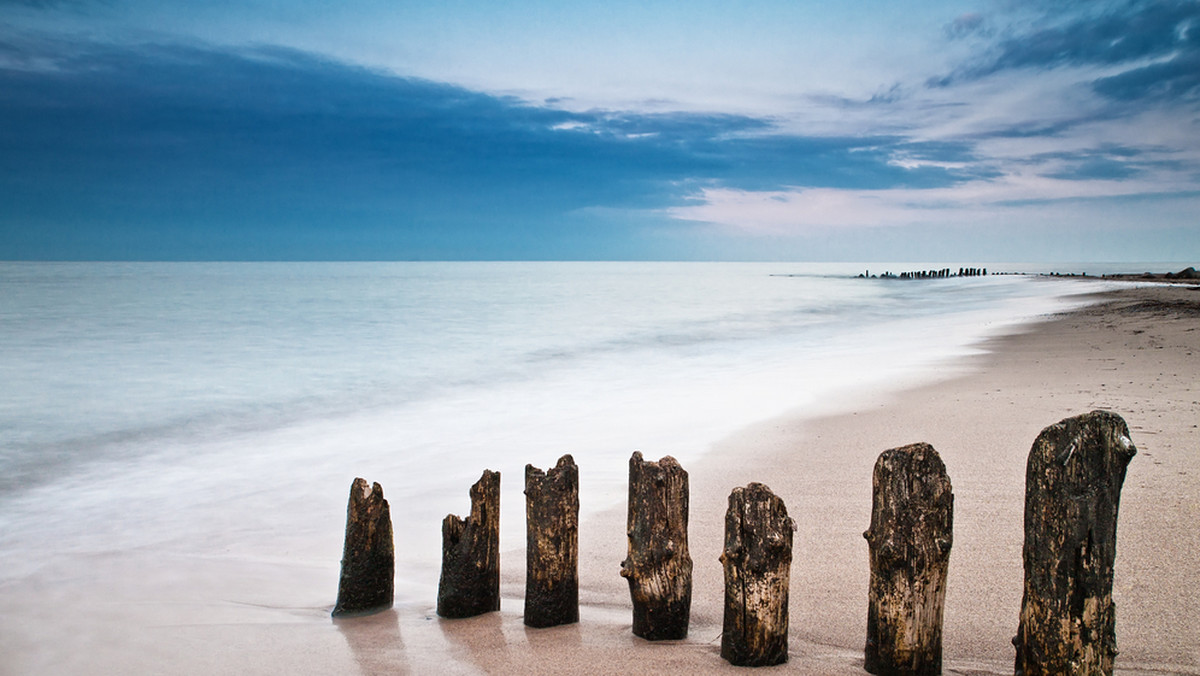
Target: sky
{"type": "Point", "coordinates": [967, 131]}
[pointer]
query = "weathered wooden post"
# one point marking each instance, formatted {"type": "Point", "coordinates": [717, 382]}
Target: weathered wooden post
{"type": "Point", "coordinates": [470, 582]}
{"type": "Point", "coordinates": [912, 518]}
{"type": "Point", "coordinates": [658, 566]}
{"type": "Point", "coordinates": [1073, 485]}
{"type": "Point", "coordinates": [552, 544]}
{"type": "Point", "coordinates": [368, 559]}
{"type": "Point", "coordinates": [757, 560]}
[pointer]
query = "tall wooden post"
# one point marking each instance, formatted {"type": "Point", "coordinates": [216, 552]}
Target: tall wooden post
{"type": "Point", "coordinates": [368, 560]}
{"type": "Point", "coordinates": [912, 519]}
{"type": "Point", "coordinates": [552, 544]}
{"type": "Point", "coordinates": [757, 560]}
{"type": "Point", "coordinates": [1073, 485]}
{"type": "Point", "coordinates": [658, 566]}
{"type": "Point", "coordinates": [470, 582]}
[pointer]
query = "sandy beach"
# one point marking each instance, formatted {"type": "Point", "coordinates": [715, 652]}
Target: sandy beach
{"type": "Point", "coordinates": [1136, 353]}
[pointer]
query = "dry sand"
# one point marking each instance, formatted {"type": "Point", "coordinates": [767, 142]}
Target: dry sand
{"type": "Point", "coordinates": [1137, 354]}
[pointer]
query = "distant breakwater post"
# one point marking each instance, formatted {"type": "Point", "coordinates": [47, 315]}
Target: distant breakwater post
{"type": "Point", "coordinates": [470, 581]}
{"type": "Point", "coordinates": [552, 544]}
{"type": "Point", "coordinates": [1073, 481]}
{"type": "Point", "coordinates": [943, 273]}
{"type": "Point", "coordinates": [368, 574]}
{"type": "Point", "coordinates": [757, 558]}
{"type": "Point", "coordinates": [911, 532]}
{"type": "Point", "coordinates": [658, 566]}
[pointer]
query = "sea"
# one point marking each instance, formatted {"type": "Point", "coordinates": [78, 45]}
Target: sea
{"type": "Point", "coordinates": [222, 410]}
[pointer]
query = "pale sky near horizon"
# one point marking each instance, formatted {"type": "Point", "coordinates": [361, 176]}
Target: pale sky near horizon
{"type": "Point", "coordinates": [275, 129]}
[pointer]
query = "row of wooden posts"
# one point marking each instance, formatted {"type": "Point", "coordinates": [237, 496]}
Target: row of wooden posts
{"type": "Point", "coordinates": [1074, 475]}
{"type": "Point", "coordinates": [941, 273]}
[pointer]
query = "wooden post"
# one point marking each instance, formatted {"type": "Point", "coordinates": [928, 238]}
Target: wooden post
{"type": "Point", "coordinates": [368, 560]}
{"type": "Point", "coordinates": [658, 566]}
{"type": "Point", "coordinates": [912, 518]}
{"type": "Point", "coordinates": [757, 560]}
{"type": "Point", "coordinates": [552, 544]}
{"type": "Point", "coordinates": [470, 583]}
{"type": "Point", "coordinates": [1072, 492]}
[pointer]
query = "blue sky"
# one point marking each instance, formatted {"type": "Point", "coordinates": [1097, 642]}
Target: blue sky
{"type": "Point", "coordinates": [971, 131]}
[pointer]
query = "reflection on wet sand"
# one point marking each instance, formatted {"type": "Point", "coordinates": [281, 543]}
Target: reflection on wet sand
{"type": "Point", "coordinates": [482, 640]}
{"type": "Point", "coordinates": [376, 643]}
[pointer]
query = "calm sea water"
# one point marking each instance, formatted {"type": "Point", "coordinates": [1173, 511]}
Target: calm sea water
{"type": "Point", "coordinates": [224, 408]}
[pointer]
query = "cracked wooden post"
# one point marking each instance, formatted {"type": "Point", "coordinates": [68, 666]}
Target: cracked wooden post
{"type": "Point", "coordinates": [470, 582]}
{"type": "Point", "coordinates": [912, 518]}
{"type": "Point", "coordinates": [757, 560]}
{"type": "Point", "coordinates": [658, 566]}
{"type": "Point", "coordinates": [368, 559]}
{"type": "Point", "coordinates": [552, 544]}
{"type": "Point", "coordinates": [1073, 485]}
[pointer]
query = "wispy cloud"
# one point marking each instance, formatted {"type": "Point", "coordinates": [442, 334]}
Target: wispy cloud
{"type": "Point", "coordinates": [970, 24]}
{"type": "Point", "coordinates": [1149, 49]}
{"type": "Point", "coordinates": [803, 210]}
{"type": "Point", "coordinates": [1174, 80]}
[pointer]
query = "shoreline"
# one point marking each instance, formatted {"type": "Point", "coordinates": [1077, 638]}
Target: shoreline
{"type": "Point", "coordinates": [1131, 353]}
{"type": "Point", "coordinates": [982, 420]}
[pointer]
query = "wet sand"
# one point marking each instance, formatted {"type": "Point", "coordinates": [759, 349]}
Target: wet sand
{"type": "Point", "coordinates": [1137, 354]}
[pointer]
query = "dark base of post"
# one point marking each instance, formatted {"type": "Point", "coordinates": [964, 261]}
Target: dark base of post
{"type": "Point", "coordinates": [662, 622]}
{"type": "Point", "coordinates": [559, 605]}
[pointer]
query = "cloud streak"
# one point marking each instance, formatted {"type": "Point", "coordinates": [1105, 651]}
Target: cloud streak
{"type": "Point", "coordinates": [804, 210]}
{"type": "Point", "coordinates": [1156, 46]}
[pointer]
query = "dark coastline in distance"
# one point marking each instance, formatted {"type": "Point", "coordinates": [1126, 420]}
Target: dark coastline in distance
{"type": "Point", "coordinates": [1188, 275]}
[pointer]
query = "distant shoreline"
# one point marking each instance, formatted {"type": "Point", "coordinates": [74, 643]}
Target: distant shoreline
{"type": "Point", "coordinates": [1185, 276]}
{"type": "Point", "coordinates": [1188, 275]}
